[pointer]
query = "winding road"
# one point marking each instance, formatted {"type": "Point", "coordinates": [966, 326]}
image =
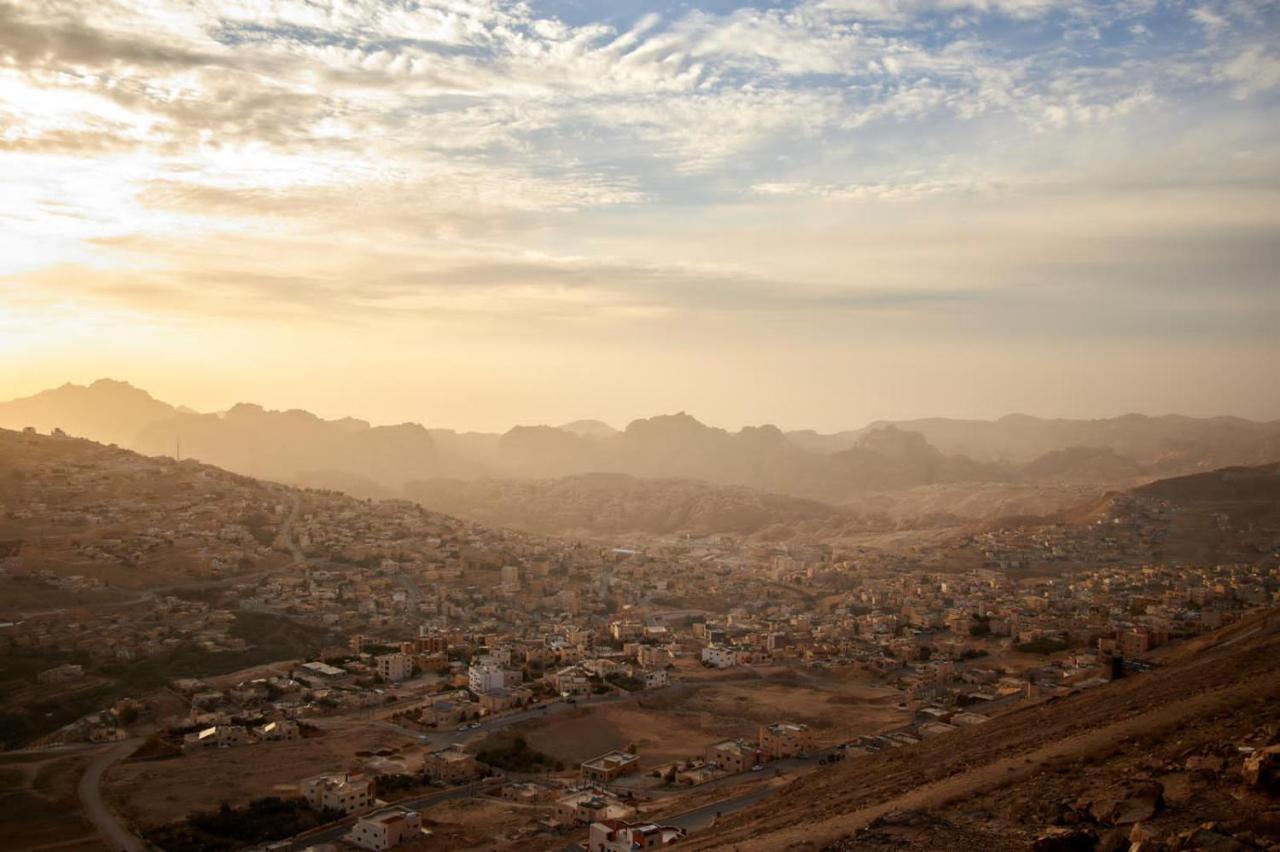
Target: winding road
{"type": "Point", "coordinates": [109, 825]}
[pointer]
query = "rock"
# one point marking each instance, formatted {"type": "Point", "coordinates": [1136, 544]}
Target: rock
{"type": "Point", "coordinates": [1207, 840]}
{"type": "Point", "coordinates": [1205, 763]}
{"type": "Point", "coordinates": [1261, 770]}
{"type": "Point", "coordinates": [1061, 839]}
{"type": "Point", "coordinates": [1128, 803]}
{"type": "Point", "coordinates": [1141, 834]}
{"type": "Point", "coordinates": [1113, 841]}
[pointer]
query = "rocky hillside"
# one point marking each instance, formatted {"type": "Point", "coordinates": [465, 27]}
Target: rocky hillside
{"type": "Point", "coordinates": [616, 503]}
{"type": "Point", "coordinates": [1183, 757]}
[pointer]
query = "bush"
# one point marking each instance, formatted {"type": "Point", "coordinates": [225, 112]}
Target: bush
{"type": "Point", "coordinates": [518, 757]}
{"type": "Point", "coordinates": [228, 828]}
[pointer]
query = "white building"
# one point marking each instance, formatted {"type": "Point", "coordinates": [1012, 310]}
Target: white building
{"type": "Point", "coordinates": [719, 657]}
{"type": "Point", "coordinates": [386, 829]}
{"type": "Point", "coordinates": [615, 835]}
{"type": "Point", "coordinates": [486, 675]}
{"type": "Point", "coordinates": [394, 667]}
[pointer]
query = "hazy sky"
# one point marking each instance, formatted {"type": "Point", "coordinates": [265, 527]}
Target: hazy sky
{"type": "Point", "coordinates": [477, 212]}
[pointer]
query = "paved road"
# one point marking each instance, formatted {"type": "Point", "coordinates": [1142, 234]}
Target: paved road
{"type": "Point", "coordinates": [705, 816]}
{"type": "Point", "coordinates": [109, 825]}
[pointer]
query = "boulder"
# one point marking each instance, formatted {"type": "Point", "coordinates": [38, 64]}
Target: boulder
{"type": "Point", "coordinates": [1061, 839]}
{"type": "Point", "coordinates": [1128, 803]}
{"type": "Point", "coordinates": [1208, 840]}
{"type": "Point", "coordinates": [1261, 770]}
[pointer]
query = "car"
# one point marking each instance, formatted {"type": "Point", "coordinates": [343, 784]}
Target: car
{"type": "Point", "coordinates": [462, 727]}
{"type": "Point", "coordinates": [758, 767]}
{"type": "Point", "coordinates": [474, 725]}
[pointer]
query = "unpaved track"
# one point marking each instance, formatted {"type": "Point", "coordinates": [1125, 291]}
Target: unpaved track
{"type": "Point", "coordinates": [109, 825]}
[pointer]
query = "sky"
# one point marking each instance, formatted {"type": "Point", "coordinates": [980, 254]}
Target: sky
{"type": "Point", "coordinates": [816, 213]}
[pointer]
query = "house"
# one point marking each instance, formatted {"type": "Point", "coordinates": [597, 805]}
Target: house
{"type": "Point", "coordinates": [217, 736]}
{"type": "Point", "coordinates": [571, 681]}
{"type": "Point", "coordinates": [734, 756]}
{"type": "Point", "coordinates": [591, 806]}
{"type": "Point", "coordinates": [317, 675]}
{"type": "Point", "coordinates": [785, 739]}
{"type": "Point", "coordinates": [655, 678]}
{"type": "Point", "coordinates": [608, 766]}
{"type": "Point", "coordinates": [284, 729]}
{"type": "Point", "coordinates": [346, 793]}
{"type": "Point", "coordinates": [719, 657]}
{"type": "Point", "coordinates": [497, 700]}
{"type": "Point", "coordinates": [394, 667]}
{"type": "Point", "coordinates": [385, 829]}
{"type": "Point", "coordinates": [615, 835]}
{"type": "Point", "coordinates": [450, 765]}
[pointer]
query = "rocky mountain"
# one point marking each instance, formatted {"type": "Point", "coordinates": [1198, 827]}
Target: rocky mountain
{"type": "Point", "coordinates": [108, 411]}
{"type": "Point", "coordinates": [610, 504]}
{"type": "Point", "coordinates": [287, 445]}
{"type": "Point", "coordinates": [882, 459]}
{"type": "Point", "coordinates": [1169, 444]}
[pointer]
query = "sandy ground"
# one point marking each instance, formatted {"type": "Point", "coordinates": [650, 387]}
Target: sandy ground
{"type": "Point", "coordinates": [39, 808]}
{"type": "Point", "coordinates": [681, 723]}
{"type": "Point", "coordinates": [474, 824]}
{"type": "Point", "coordinates": [154, 792]}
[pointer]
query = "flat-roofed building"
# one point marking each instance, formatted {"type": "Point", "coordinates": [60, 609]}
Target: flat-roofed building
{"type": "Point", "coordinates": [450, 765]}
{"type": "Point", "coordinates": [734, 756]}
{"type": "Point", "coordinates": [608, 766]}
{"type": "Point", "coordinates": [347, 793]}
{"type": "Point", "coordinates": [385, 829]}
{"type": "Point", "coordinates": [785, 739]}
{"type": "Point", "coordinates": [615, 835]}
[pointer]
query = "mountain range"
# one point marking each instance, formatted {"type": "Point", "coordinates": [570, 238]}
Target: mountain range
{"type": "Point", "coordinates": [884, 458]}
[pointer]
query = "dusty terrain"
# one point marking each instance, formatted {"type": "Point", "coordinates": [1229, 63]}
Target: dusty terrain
{"type": "Point", "coordinates": [680, 722]}
{"type": "Point", "coordinates": [38, 804]}
{"type": "Point", "coordinates": [153, 792]}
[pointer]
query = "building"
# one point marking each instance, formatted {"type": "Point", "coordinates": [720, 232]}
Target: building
{"type": "Point", "coordinates": [386, 829]}
{"type": "Point", "coordinates": [592, 807]}
{"type": "Point", "coordinates": [655, 678]}
{"type": "Point", "coordinates": [486, 675]}
{"type": "Point", "coordinates": [394, 667]}
{"type": "Point", "coordinates": [497, 700]}
{"type": "Point", "coordinates": [318, 675]}
{"type": "Point", "coordinates": [510, 578]}
{"type": "Point", "coordinates": [719, 657]}
{"type": "Point", "coordinates": [284, 729]}
{"type": "Point", "coordinates": [450, 765]}
{"type": "Point", "coordinates": [347, 793]}
{"type": "Point", "coordinates": [785, 739]}
{"type": "Point", "coordinates": [217, 736]}
{"type": "Point", "coordinates": [615, 835]}
{"type": "Point", "coordinates": [608, 766]}
{"type": "Point", "coordinates": [734, 756]}
{"type": "Point", "coordinates": [572, 681]}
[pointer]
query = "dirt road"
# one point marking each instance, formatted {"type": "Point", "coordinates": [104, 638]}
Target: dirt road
{"type": "Point", "coordinates": [109, 825]}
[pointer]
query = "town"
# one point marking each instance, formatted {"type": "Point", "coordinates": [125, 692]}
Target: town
{"type": "Point", "coordinates": [395, 675]}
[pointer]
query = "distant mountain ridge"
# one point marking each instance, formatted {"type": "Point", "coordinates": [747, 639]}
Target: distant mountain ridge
{"type": "Point", "coordinates": [349, 453]}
